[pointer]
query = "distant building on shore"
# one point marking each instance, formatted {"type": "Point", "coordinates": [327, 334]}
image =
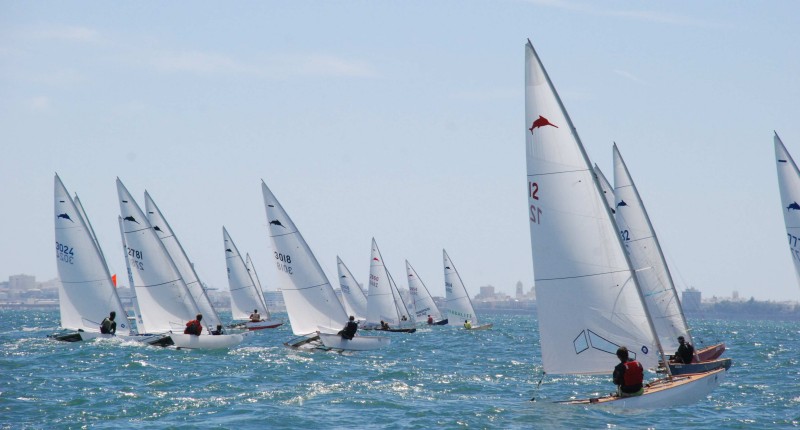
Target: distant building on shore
{"type": "Point", "coordinates": [691, 300]}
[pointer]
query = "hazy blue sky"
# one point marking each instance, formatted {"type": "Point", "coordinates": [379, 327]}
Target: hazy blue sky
{"type": "Point", "coordinates": [398, 120]}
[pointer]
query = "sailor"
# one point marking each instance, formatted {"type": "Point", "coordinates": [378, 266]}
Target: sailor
{"type": "Point", "coordinates": [349, 329]}
{"type": "Point", "coordinates": [467, 325]}
{"type": "Point", "coordinates": [109, 326]}
{"type": "Point", "coordinates": [384, 325]}
{"type": "Point", "coordinates": [628, 375]}
{"type": "Point", "coordinates": [194, 327]}
{"type": "Point", "coordinates": [218, 331]}
{"type": "Point", "coordinates": [685, 352]}
{"type": "Point", "coordinates": [430, 320]}
{"type": "Point", "coordinates": [255, 316]}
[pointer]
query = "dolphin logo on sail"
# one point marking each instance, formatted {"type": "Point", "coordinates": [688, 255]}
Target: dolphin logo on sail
{"type": "Point", "coordinates": [541, 122]}
{"type": "Point", "coordinates": [131, 218]}
{"type": "Point", "coordinates": [276, 222]}
{"type": "Point", "coordinates": [622, 203]}
{"type": "Point", "coordinates": [794, 206]}
{"type": "Point", "coordinates": [447, 267]}
{"type": "Point", "coordinates": [375, 259]}
{"type": "Point", "coordinates": [228, 250]}
{"type": "Point", "coordinates": [65, 216]}
{"type": "Point", "coordinates": [156, 228]}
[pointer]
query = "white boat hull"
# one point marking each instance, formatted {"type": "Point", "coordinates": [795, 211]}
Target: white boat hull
{"type": "Point", "coordinates": [358, 343]}
{"type": "Point", "coordinates": [262, 325]}
{"type": "Point", "coordinates": [190, 341]}
{"type": "Point", "coordinates": [682, 390]}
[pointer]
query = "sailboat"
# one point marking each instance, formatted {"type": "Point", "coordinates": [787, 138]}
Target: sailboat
{"type": "Point", "coordinates": [315, 313]}
{"type": "Point", "coordinates": [424, 306]}
{"type": "Point", "coordinates": [246, 295]}
{"type": "Point", "coordinates": [383, 300]}
{"type": "Point", "coordinates": [185, 267]}
{"type": "Point", "coordinates": [459, 305]}
{"type": "Point", "coordinates": [355, 301]}
{"type": "Point", "coordinates": [652, 272]}
{"type": "Point", "coordinates": [257, 283]}
{"type": "Point", "coordinates": [789, 185]}
{"type": "Point", "coordinates": [588, 300]}
{"type": "Point", "coordinates": [86, 293]}
{"type": "Point", "coordinates": [165, 302]}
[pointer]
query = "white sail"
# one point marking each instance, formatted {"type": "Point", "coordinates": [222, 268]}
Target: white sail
{"type": "Point", "coordinates": [310, 300]}
{"type": "Point", "coordinates": [789, 184]}
{"type": "Point", "coordinates": [355, 301]}
{"type": "Point", "coordinates": [605, 185]}
{"type": "Point", "coordinates": [406, 316]}
{"type": "Point", "coordinates": [265, 315]}
{"type": "Point", "coordinates": [586, 293]}
{"type": "Point", "coordinates": [381, 305]}
{"type": "Point", "coordinates": [647, 259]}
{"type": "Point", "coordinates": [423, 302]}
{"type": "Point", "coordinates": [87, 294]}
{"type": "Point", "coordinates": [182, 262]}
{"type": "Point", "coordinates": [165, 303]}
{"type": "Point", "coordinates": [244, 296]}
{"type": "Point", "coordinates": [458, 304]}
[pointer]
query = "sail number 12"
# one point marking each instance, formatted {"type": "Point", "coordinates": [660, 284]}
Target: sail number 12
{"type": "Point", "coordinates": [535, 211]}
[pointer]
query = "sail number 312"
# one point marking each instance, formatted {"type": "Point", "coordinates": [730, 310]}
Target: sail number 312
{"type": "Point", "coordinates": [535, 211]}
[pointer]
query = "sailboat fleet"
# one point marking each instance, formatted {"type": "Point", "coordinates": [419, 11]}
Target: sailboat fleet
{"type": "Point", "coordinates": [601, 277]}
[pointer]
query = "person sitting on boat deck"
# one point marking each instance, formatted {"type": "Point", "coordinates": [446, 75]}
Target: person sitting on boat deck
{"type": "Point", "coordinates": [350, 329]}
{"type": "Point", "coordinates": [467, 325]}
{"type": "Point", "coordinates": [685, 352]}
{"type": "Point", "coordinates": [628, 375]}
{"type": "Point", "coordinates": [384, 325]}
{"type": "Point", "coordinates": [430, 320]}
{"type": "Point", "coordinates": [109, 326]}
{"type": "Point", "coordinates": [194, 327]}
{"type": "Point", "coordinates": [255, 316]}
{"type": "Point", "coordinates": [218, 331]}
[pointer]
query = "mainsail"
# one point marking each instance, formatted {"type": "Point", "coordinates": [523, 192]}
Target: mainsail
{"type": "Point", "coordinates": [165, 303]}
{"type": "Point", "coordinates": [87, 294]}
{"type": "Point", "coordinates": [355, 301]}
{"type": "Point", "coordinates": [588, 301]}
{"type": "Point", "coordinates": [310, 300]}
{"type": "Point", "coordinates": [789, 184]}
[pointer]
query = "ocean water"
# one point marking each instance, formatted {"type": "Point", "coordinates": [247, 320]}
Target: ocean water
{"type": "Point", "coordinates": [439, 377]}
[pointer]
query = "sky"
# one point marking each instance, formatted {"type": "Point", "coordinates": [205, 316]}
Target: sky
{"type": "Point", "coordinates": [402, 121]}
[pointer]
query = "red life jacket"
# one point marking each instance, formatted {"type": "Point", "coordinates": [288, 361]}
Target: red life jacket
{"type": "Point", "coordinates": [193, 327]}
{"type": "Point", "coordinates": [634, 374]}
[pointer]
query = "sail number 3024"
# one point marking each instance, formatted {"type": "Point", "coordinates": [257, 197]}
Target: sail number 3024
{"type": "Point", "coordinates": [283, 262]}
{"type": "Point", "coordinates": [535, 211]}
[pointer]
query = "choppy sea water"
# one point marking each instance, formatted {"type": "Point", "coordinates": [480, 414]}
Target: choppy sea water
{"type": "Point", "coordinates": [439, 377]}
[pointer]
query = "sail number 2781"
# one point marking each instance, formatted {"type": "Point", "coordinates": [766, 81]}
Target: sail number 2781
{"type": "Point", "coordinates": [533, 194]}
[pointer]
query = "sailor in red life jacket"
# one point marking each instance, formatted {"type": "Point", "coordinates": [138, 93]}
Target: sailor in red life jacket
{"type": "Point", "coordinates": [194, 327]}
{"type": "Point", "coordinates": [628, 375]}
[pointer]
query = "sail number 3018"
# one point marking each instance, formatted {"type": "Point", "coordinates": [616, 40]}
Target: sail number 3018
{"type": "Point", "coordinates": [535, 211]}
{"type": "Point", "coordinates": [283, 262]}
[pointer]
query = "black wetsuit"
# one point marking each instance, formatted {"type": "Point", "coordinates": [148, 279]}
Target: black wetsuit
{"type": "Point", "coordinates": [349, 330]}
